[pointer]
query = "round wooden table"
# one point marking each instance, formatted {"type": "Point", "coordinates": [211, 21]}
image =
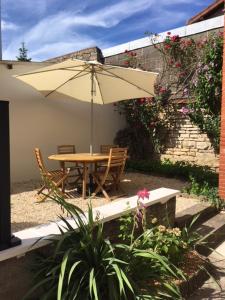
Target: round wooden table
{"type": "Point", "coordinates": [83, 158]}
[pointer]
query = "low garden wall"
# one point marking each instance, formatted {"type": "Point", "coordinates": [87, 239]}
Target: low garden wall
{"type": "Point", "coordinates": [16, 263]}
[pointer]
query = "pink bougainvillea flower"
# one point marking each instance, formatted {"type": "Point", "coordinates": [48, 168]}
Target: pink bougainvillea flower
{"type": "Point", "coordinates": [126, 51]}
{"type": "Point", "coordinates": [185, 110]}
{"type": "Point", "coordinates": [142, 100]}
{"type": "Point", "coordinates": [175, 38]}
{"type": "Point", "coordinates": [168, 33]}
{"type": "Point", "coordinates": [142, 194]}
{"type": "Point", "coordinates": [162, 90]}
{"type": "Point", "coordinates": [167, 46]}
{"type": "Point", "coordinates": [178, 65]}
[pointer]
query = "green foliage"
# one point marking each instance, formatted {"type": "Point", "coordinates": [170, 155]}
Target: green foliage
{"type": "Point", "coordinates": [203, 181]}
{"type": "Point", "coordinates": [23, 53]}
{"type": "Point", "coordinates": [207, 89]}
{"type": "Point", "coordinates": [171, 243]}
{"type": "Point", "coordinates": [84, 265]}
{"type": "Point", "coordinates": [126, 225]}
{"type": "Point", "coordinates": [181, 170]}
{"type": "Point", "coordinates": [147, 123]}
{"type": "Point", "coordinates": [193, 69]}
{"type": "Point", "coordinates": [207, 191]}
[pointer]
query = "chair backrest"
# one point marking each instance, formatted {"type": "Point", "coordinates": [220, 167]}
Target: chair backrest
{"type": "Point", "coordinates": [117, 157]}
{"type": "Point", "coordinates": [40, 161]}
{"type": "Point", "coordinates": [106, 148]}
{"type": "Point", "coordinates": [66, 149]}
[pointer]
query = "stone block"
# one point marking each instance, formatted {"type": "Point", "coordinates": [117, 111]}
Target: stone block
{"type": "Point", "coordinates": [189, 144]}
{"type": "Point", "coordinates": [184, 135]}
{"type": "Point", "coordinates": [178, 153]}
{"type": "Point", "coordinates": [194, 135]}
{"type": "Point", "coordinates": [203, 145]}
{"type": "Point", "coordinates": [192, 153]}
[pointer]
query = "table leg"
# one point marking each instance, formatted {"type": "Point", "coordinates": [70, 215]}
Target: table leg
{"type": "Point", "coordinates": [84, 181]}
{"type": "Point", "coordinates": [63, 168]}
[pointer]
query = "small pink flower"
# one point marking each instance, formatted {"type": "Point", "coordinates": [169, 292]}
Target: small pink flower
{"type": "Point", "coordinates": [178, 65]}
{"type": "Point", "coordinates": [168, 33]}
{"type": "Point", "coordinates": [143, 194]}
{"type": "Point", "coordinates": [185, 110]}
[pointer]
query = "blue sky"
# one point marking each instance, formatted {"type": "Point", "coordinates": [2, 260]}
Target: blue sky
{"type": "Point", "coordinates": [54, 27]}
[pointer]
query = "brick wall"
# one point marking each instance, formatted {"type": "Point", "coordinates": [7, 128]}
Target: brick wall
{"type": "Point", "coordinates": [222, 135]}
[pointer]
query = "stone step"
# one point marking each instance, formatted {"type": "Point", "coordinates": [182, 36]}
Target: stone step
{"type": "Point", "coordinates": [213, 232]}
{"type": "Point", "coordinates": [185, 217]}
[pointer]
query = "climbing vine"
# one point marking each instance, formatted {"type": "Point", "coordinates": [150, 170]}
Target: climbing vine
{"type": "Point", "coordinates": [191, 70]}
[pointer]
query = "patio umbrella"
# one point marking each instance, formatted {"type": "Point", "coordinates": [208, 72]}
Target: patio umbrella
{"type": "Point", "coordinates": [92, 82]}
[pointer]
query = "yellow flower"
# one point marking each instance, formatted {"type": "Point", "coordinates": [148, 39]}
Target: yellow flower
{"type": "Point", "coordinates": [161, 228]}
{"type": "Point", "coordinates": [177, 231]}
{"type": "Point", "coordinates": [154, 220]}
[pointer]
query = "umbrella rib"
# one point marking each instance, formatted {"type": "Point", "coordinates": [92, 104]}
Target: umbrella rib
{"type": "Point", "coordinates": [99, 86]}
{"type": "Point", "coordinates": [72, 78]}
{"type": "Point", "coordinates": [119, 77]}
{"type": "Point", "coordinates": [44, 71]}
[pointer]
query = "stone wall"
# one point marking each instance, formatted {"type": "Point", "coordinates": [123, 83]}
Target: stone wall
{"type": "Point", "coordinates": [185, 142]}
{"type": "Point", "coordinates": [93, 53]}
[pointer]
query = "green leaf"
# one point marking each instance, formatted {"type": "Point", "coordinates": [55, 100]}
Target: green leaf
{"type": "Point", "coordinates": [62, 274]}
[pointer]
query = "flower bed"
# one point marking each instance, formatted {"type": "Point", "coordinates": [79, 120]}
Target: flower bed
{"type": "Point", "coordinates": [148, 261]}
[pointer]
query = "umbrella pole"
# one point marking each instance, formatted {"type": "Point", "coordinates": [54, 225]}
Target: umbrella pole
{"type": "Point", "coordinates": [91, 183]}
{"type": "Point", "coordinates": [92, 109]}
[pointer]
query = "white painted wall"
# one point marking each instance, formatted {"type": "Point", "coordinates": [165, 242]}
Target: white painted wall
{"type": "Point", "coordinates": [38, 122]}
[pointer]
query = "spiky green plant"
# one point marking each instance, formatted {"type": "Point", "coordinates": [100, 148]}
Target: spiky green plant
{"type": "Point", "coordinates": [86, 266]}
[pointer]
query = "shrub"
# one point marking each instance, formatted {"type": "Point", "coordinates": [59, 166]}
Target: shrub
{"type": "Point", "coordinates": [180, 170]}
{"type": "Point", "coordinates": [208, 192]}
{"type": "Point", "coordinates": [84, 265]}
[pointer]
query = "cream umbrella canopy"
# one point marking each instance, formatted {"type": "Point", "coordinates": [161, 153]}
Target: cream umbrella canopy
{"type": "Point", "coordinates": [92, 82]}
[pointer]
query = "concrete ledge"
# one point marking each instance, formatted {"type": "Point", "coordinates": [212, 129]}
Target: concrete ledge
{"type": "Point", "coordinates": [105, 213]}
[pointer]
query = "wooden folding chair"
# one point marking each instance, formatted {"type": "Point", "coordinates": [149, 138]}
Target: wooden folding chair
{"type": "Point", "coordinates": [106, 148]}
{"type": "Point", "coordinates": [52, 180]}
{"type": "Point", "coordinates": [75, 170]}
{"type": "Point", "coordinates": [110, 173]}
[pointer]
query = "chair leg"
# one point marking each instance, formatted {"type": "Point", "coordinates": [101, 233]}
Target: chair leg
{"type": "Point", "coordinates": [41, 189]}
{"type": "Point", "coordinates": [100, 188]}
{"type": "Point", "coordinates": [52, 186]}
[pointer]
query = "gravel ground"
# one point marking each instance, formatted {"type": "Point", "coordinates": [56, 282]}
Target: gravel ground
{"type": "Point", "coordinates": [28, 212]}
